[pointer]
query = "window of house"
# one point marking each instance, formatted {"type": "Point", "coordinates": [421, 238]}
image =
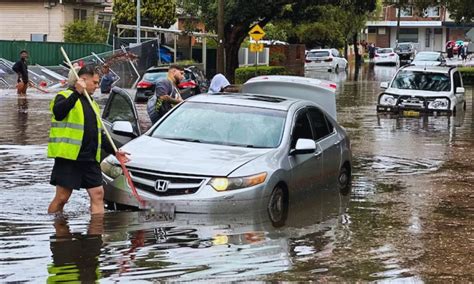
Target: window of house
{"type": "Point", "coordinates": [371, 30]}
{"type": "Point", "coordinates": [406, 12]}
{"type": "Point", "coordinates": [408, 35]}
{"type": "Point", "coordinates": [431, 12]}
{"type": "Point", "coordinates": [80, 14]}
{"type": "Point", "coordinates": [428, 37]}
{"type": "Point", "coordinates": [382, 31]}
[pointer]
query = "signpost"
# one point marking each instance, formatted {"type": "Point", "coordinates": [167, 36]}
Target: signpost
{"type": "Point", "coordinates": [256, 33]}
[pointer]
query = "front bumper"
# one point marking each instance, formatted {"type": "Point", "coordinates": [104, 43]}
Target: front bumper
{"type": "Point", "coordinates": [411, 111]}
{"type": "Point", "coordinates": [205, 200]}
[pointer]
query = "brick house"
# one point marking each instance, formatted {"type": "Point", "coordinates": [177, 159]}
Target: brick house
{"type": "Point", "coordinates": [430, 31]}
{"type": "Point", "coordinates": [44, 20]}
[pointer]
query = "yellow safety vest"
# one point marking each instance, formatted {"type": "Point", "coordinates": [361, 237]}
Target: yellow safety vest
{"type": "Point", "coordinates": [65, 136]}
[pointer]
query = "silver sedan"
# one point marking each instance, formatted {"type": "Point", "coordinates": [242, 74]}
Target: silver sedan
{"type": "Point", "coordinates": [227, 153]}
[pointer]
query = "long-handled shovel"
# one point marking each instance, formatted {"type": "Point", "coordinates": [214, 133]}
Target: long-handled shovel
{"type": "Point", "coordinates": [122, 164]}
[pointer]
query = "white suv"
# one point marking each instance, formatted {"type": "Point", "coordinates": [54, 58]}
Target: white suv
{"type": "Point", "coordinates": [416, 89]}
{"type": "Point", "coordinates": [325, 59]}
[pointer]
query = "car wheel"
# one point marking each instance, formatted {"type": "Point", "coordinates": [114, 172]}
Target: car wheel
{"type": "Point", "coordinates": [344, 181]}
{"type": "Point", "coordinates": [278, 206]}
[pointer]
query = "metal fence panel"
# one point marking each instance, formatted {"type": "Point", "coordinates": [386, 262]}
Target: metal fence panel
{"type": "Point", "coordinates": [48, 53]}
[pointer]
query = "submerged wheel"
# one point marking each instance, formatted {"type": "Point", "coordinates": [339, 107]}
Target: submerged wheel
{"type": "Point", "coordinates": [278, 206]}
{"type": "Point", "coordinates": [344, 181]}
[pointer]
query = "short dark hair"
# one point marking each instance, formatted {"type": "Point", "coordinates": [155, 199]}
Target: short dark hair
{"type": "Point", "coordinates": [23, 51]}
{"type": "Point", "coordinates": [87, 70]}
{"type": "Point", "coordinates": [176, 66]}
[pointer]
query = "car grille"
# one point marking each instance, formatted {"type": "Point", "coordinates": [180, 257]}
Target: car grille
{"type": "Point", "coordinates": [177, 184]}
{"type": "Point", "coordinates": [408, 101]}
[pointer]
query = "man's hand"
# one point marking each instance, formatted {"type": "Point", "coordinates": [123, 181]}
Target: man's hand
{"type": "Point", "coordinates": [122, 156]}
{"type": "Point", "coordinates": [80, 86]}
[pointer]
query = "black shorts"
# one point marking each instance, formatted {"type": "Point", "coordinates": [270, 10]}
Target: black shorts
{"type": "Point", "coordinates": [76, 174]}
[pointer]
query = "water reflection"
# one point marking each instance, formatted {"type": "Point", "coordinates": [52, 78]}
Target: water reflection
{"type": "Point", "coordinates": [76, 255]}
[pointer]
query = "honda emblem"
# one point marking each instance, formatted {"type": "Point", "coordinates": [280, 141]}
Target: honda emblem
{"type": "Point", "coordinates": [161, 185]}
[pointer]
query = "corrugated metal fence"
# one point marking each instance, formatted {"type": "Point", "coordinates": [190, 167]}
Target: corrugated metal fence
{"type": "Point", "coordinates": [48, 53]}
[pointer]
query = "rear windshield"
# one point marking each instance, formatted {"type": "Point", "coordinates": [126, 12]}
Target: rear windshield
{"type": "Point", "coordinates": [404, 47]}
{"type": "Point", "coordinates": [318, 54]}
{"type": "Point", "coordinates": [384, 50]}
{"type": "Point", "coordinates": [425, 81]}
{"type": "Point", "coordinates": [427, 57]}
{"type": "Point", "coordinates": [154, 76]}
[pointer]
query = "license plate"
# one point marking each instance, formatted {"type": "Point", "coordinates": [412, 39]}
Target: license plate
{"type": "Point", "coordinates": [159, 212]}
{"type": "Point", "coordinates": [317, 61]}
{"type": "Point", "coordinates": [411, 113]}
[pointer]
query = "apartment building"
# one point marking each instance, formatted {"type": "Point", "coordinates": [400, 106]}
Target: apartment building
{"type": "Point", "coordinates": [430, 29]}
{"type": "Point", "coordinates": [44, 20]}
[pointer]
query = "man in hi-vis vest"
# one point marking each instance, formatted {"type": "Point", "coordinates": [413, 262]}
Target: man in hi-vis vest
{"type": "Point", "coordinates": [75, 141]}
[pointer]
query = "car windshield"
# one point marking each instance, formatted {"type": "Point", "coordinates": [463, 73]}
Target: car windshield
{"type": "Point", "coordinates": [427, 57]}
{"type": "Point", "coordinates": [318, 54]}
{"type": "Point", "coordinates": [425, 81]}
{"type": "Point", "coordinates": [223, 124]}
{"type": "Point", "coordinates": [404, 47]}
{"type": "Point", "coordinates": [154, 76]}
{"type": "Point", "coordinates": [384, 50]}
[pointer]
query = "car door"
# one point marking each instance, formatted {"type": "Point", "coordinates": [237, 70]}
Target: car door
{"type": "Point", "coordinates": [330, 143]}
{"type": "Point", "coordinates": [306, 168]}
{"type": "Point", "coordinates": [120, 107]}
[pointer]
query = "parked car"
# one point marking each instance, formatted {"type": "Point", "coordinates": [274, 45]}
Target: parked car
{"type": "Point", "coordinates": [429, 58]}
{"type": "Point", "coordinates": [325, 59]}
{"type": "Point", "coordinates": [386, 56]}
{"type": "Point", "coordinates": [194, 83]}
{"type": "Point", "coordinates": [406, 50]}
{"type": "Point", "coordinates": [234, 151]}
{"type": "Point", "coordinates": [415, 89]}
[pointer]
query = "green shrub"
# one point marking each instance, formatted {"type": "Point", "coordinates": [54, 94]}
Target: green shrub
{"type": "Point", "coordinates": [242, 74]}
{"type": "Point", "coordinates": [467, 75]}
{"type": "Point", "coordinates": [85, 32]}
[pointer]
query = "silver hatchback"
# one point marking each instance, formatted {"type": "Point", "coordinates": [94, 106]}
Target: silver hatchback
{"type": "Point", "coordinates": [228, 153]}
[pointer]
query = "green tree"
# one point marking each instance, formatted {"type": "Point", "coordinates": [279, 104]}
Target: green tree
{"type": "Point", "coordinates": [85, 32]}
{"type": "Point", "coordinates": [160, 13]}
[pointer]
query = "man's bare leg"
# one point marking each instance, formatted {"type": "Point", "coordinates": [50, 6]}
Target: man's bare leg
{"type": "Point", "coordinates": [60, 199]}
{"type": "Point", "coordinates": [96, 195]}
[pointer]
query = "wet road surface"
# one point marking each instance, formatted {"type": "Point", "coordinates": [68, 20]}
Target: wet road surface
{"type": "Point", "coordinates": [409, 216]}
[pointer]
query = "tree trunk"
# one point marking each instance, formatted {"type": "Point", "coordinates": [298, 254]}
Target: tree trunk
{"type": "Point", "coordinates": [356, 50]}
{"type": "Point", "coordinates": [346, 47]}
{"type": "Point", "coordinates": [231, 61]}
{"type": "Point", "coordinates": [398, 25]}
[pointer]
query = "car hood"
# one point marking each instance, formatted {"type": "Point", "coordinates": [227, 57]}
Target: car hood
{"type": "Point", "coordinates": [408, 92]}
{"type": "Point", "coordinates": [187, 157]}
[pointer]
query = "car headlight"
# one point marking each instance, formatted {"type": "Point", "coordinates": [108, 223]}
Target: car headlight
{"type": "Point", "coordinates": [223, 184]}
{"type": "Point", "coordinates": [442, 103]}
{"type": "Point", "coordinates": [388, 100]}
{"type": "Point", "coordinates": [111, 167]}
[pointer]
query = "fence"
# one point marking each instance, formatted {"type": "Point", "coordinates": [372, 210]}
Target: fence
{"type": "Point", "coordinates": [48, 53]}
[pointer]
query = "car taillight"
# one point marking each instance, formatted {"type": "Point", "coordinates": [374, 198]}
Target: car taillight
{"type": "Point", "coordinates": [144, 84]}
{"type": "Point", "coordinates": [307, 61]}
{"type": "Point", "coordinates": [328, 60]}
{"type": "Point", "coordinates": [376, 55]}
{"type": "Point", "coordinates": [392, 54]}
{"type": "Point", "coordinates": [187, 84]}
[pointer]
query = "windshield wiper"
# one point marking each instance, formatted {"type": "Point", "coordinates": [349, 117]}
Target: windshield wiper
{"type": "Point", "coordinates": [185, 139]}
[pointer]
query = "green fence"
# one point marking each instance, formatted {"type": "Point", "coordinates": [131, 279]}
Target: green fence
{"type": "Point", "coordinates": [48, 53]}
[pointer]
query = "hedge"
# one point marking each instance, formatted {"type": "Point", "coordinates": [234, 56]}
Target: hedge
{"type": "Point", "coordinates": [242, 74]}
{"type": "Point", "coordinates": [467, 75]}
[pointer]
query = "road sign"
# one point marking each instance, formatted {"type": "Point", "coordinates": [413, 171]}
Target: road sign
{"type": "Point", "coordinates": [256, 47]}
{"type": "Point", "coordinates": [256, 33]}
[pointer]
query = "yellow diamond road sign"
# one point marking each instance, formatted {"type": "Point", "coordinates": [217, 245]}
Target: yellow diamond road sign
{"type": "Point", "coordinates": [256, 47]}
{"type": "Point", "coordinates": [256, 33]}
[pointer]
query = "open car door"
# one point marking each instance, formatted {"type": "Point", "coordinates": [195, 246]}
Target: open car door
{"type": "Point", "coordinates": [120, 117]}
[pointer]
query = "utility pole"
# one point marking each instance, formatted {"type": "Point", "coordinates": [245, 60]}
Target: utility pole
{"type": "Point", "coordinates": [138, 21]}
{"type": "Point", "coordinates": [220, 37]}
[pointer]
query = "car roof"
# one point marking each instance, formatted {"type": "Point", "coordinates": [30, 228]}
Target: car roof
{"type": "Point", "coordinates": [321, 49]}
{"type": "Point", "coordinates": [245, 99]}
{"type": "Point", "coordinates": [437, 69]}
{"type": "Point", "coordinates": [429, 52]}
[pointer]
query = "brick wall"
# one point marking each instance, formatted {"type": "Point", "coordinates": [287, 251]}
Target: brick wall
{"type": "Point", "coordinates": [291, 56]}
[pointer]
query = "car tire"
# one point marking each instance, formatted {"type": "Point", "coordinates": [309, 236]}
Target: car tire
{"type": "Point", "coordinates": [278, 206]}
{"type": "Point", "coordinates": [344, 180]}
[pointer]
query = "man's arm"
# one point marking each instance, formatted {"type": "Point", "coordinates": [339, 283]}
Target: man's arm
{"type": "Point", "coordinates": [163, 90]}
{"type": "Point", "coordinates": [63, 105]}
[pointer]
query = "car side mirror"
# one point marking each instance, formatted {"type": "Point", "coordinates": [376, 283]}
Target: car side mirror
{"type": "Point", "coordinates": [304, 146]}
{"type": "Point", "coordinates": [123, 128]}
{"type": "Point", "coordinates": [384, 85]}
{"type": "Point", "coordinates": [460, 90]}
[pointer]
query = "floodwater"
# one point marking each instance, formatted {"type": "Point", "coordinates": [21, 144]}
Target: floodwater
{"type": "Point", "coordinates": [409, 216]}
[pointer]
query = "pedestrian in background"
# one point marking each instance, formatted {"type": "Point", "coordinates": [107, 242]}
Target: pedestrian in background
{"type": "Point", "coordinates": [75, 141]}
{"type": "Point", "coordinates": [21, 69]}
{"type": "Point", "coordinates": [166, 94]}
{"type": "Point", "coordinates": [107, 80]}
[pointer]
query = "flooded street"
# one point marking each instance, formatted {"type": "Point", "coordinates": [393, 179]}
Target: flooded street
{"type": "Point", "coordinates": [409, 216]}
